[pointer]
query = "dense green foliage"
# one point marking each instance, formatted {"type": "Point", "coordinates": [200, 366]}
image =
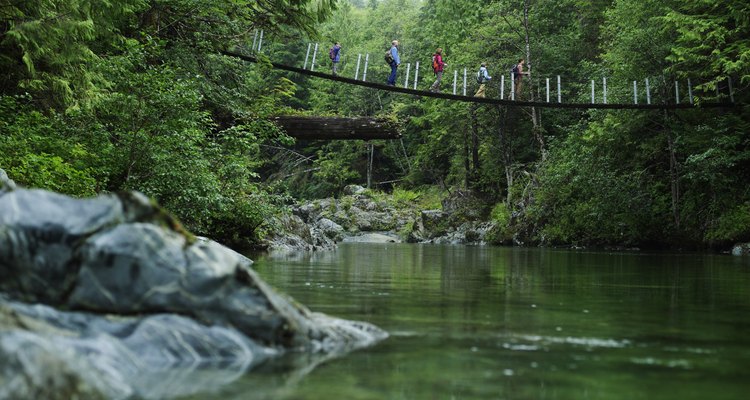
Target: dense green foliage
{"type": "Point", "coordinates": [630, 178]}
{"type": "Point", "coordinates": [134, 94]}
{"type": "Point", "coordinates": [101, 96]}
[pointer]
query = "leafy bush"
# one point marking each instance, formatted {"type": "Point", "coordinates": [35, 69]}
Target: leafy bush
{"type": "Point", "coordinates": [732, 226]}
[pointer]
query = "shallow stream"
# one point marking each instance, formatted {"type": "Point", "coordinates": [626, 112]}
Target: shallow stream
{"type": "Point", "coordinates": [516, 323]}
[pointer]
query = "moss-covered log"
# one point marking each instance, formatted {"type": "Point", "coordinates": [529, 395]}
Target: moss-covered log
{"type": "Point", "coordinates": [335, 128]}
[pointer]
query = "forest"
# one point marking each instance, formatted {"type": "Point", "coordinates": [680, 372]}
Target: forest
{"type": "Point", "coordinates": [107, 96]}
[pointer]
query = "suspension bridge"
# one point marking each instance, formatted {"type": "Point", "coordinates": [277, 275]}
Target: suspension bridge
{"type": "Point", "coordinates": [323, 128]}
{"type": "Point", "coordinates": [636, 105]}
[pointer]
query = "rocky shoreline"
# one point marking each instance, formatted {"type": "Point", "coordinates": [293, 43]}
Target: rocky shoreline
{"type": "Point", "coordinates": [358, 216]}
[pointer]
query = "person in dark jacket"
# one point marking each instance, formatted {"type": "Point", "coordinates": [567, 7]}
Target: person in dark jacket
{"type": "Point", "coordinates": [335, 55]}
{"type": "Point", "coordinates": [437, 65]}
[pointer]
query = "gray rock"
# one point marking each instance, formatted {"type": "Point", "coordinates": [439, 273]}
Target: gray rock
{"type": "Point", "coordinates": [741, 249]}
{"type": "Point", "coordinates": [201, 302]}
{"type": "Point", "coordinates": [353, 190]}
{"type": "Point", "coordinates": [304, 211]}
{"type": "Point", "coordinates": [295, 234]}
{"type": "Point", "coordinates": [433, 222]}
{"type": "Point", "coordinates": [372, 237]}
{"type": "Point", "coordinates": [6, 184]}
{"type": "Point", "coordinates": [331, 229]}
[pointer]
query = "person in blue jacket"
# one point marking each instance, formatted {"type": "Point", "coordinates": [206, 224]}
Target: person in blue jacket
{"type": "Point", "coordinates": [482, 78]}
{"type": "Point", "coordinates": [335, 56]}
{"type": "Point", "coordinates": [394, 64]}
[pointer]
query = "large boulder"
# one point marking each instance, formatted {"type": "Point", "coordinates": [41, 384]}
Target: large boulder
{"type": "Point", "coordinates": [293, 234]}
{"type": "Point", "coordinates": [331, 229]}
{"type": "Point", "coordinates": [125, 287]}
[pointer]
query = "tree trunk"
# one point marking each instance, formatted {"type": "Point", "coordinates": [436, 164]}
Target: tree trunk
{"type": "Point", "coordinates": [474, 145]}
{"type": "Point", "coordinates": [507, 156]}
{"type": "Point", "coordinates": [467, 162]}
{"type": "Point", "coordinates": [674, 173]}
{"type": "Point", "coordinates": [536, 130]}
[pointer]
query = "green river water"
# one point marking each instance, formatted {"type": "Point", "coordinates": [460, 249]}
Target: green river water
{"type": "Point", "coordinates": [516, 323]}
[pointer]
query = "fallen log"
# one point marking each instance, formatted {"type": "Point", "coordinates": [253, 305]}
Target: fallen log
{"type": "Point", "coordinates": [337, 128]}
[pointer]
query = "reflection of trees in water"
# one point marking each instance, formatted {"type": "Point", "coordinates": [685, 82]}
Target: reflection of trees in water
{"type": "Point", "coordinates": [463, 287]}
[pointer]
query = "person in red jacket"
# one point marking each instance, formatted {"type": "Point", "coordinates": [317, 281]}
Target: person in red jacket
{"type": "Point", "coordinates": [437, 67]}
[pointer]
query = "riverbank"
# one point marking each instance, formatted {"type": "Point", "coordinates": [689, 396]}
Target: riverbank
{"type": "Point", "coordinates": [361, 215]}
{"type": "Point", "coordinates": [460, 218]}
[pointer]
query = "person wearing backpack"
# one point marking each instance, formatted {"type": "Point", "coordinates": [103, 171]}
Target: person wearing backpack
{"type": "Point", "coordinates": [395, 61]}
{"type": "Point", "coordinates": [335, 56]}
{"type": "Point", "coordinates": [518, 73]}
{"type": "Point", "coordinates": [482, 77]}
{"type": "Point", "coordinates": [437, 66]}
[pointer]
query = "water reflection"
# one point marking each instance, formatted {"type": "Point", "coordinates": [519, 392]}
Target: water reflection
{"type": "Point", "coordinates": [484, 322]}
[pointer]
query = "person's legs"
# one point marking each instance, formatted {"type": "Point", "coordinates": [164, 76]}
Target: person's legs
{"type": "Point", "coordinates": [519, 84]}
{"type": "Point", "coordinates": [480, 92]}
{"type": "Point", "coordinates": [436, 86]}
{"type": "Point", "coordinates": [335, 64]}
{"type": "Point", "coordinates": [392, 77]}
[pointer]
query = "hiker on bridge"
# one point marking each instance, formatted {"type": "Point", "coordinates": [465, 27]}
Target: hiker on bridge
{"type": "Point", "coordinates": [394, 62]}
{"type": "Point", "coordinates": [437, 67]}
{"type": "Point", "coordinates": [518, 74]}
{"type": "Point", "coordinates": [335, 54]}
{"type": "Point", "coordinates": [482, 77]}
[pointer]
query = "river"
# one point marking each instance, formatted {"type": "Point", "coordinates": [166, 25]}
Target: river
{"type": "Point", "coordinates": [517, 323]}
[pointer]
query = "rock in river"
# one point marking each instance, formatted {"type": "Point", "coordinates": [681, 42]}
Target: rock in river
{"type": "Point", "coordinates": [109, 297]}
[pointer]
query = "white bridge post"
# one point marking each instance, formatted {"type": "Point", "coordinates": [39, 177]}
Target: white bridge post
{"type": "Point", "coordinates": [502, 87]}
{"type": "Point", "coordinates": [356, 73]}
{"type": "Point", "coordinates": [315, 54]}
{"type": "Point", "coordinates": [455, 79]}
{"type": "Point", "coordinates": [416, 75]}
{"type": "Point", "coordinates": [367, 60]}
{"type": "Point", "coordinates": [464, 81]}
{"type": "Point", "coordinates": [307, 55]}
{"type": "Point", "coordinates": [406, 81]}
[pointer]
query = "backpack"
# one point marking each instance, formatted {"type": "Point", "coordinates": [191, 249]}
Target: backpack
{"type": "Point", "coordinates": [480, 76]}
{"type": "Point", "coordinates": [332, 53]}
{"type": "Point", "coordinates": [388, 57]}
{"type": "Point", "coordinates": [435, 65]}
{"type": "Point", "coordinates": [514, 70]}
